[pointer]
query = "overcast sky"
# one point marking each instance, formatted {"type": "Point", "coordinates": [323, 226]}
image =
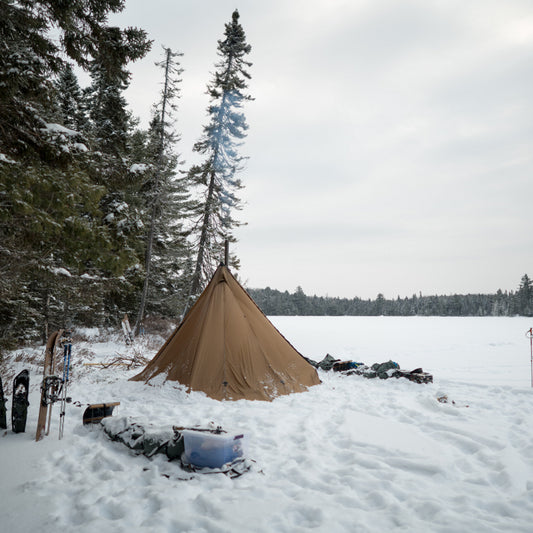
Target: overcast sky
{"type": "Point", "coordinates": [390, 141]}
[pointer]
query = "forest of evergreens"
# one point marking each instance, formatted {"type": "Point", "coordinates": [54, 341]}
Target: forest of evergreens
{"type": "Point", "coordinates": [100, 217]}
{"type": "Point", "coordinates": [274, 302]}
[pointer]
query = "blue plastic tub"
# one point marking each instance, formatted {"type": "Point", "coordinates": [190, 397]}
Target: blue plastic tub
{"type": "Point", "coordinates": [210, 450]}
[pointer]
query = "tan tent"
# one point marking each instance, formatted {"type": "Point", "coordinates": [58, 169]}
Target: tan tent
{"type": "Point", "coordinates": [227, 348]}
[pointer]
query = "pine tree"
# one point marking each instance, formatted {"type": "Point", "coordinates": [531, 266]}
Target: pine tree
{"type": "Point", "coordinates": [166, 249]}
{"type": "Point", "coordinates": [110, 164]}
{"type": "Point", "coordinates": [110, 118]}
{"type": "Point", "coordinates": [70, 101]}
{"type": "Point", "coordinates": [49, 235]}
{"type": "Point", "coordinates": [217, 175]}
{"type": "Point", "coordinates": [524, 297]}
{"type": "Point", "coordinates": [30, 57]}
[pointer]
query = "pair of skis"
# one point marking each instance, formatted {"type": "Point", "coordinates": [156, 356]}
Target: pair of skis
{"type": "Point", "coordinates": [53, 387]}
{"type": "Point", "coordinates": [19, 408]}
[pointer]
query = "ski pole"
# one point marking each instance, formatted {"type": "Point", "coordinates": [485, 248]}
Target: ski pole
{"type": "Point", "coordinates": [529, 335]}
{"type": "Point", "coordinates": [66, 365]}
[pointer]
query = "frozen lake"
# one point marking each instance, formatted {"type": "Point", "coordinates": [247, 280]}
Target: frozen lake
{"type": "Point", "coordinates": [484, 350]}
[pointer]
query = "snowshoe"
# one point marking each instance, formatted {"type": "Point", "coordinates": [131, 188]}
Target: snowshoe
{"type": "Point", "coordinates": [19, 409]}
{"type": "Point", "coordinates": [3, 421]}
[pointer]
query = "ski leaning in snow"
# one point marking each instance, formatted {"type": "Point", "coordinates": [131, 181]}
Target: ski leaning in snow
{"type": "Point", "coordinates": [49, 386]}
{"type": "Point", "coordinates": [67, 349]}
{"type": "Point", "coordinates": [3, 421]}
{"type": "Point", "coordinates": [126, 328]}
{"type": "Point", "coordinates": [19, 409]}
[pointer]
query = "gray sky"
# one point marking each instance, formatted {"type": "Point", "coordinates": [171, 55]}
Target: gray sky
{"type": "Point", "coordinates": [390, 141]}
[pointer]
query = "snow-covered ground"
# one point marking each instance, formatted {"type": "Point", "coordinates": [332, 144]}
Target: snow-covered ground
{"type": "Point", "coordinates": [351, 454]}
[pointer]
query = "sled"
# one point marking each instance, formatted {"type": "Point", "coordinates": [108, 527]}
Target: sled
{"type": "Point", "coordinates": [97, 411]}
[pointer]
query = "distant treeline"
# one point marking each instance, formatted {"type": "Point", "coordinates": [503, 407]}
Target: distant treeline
{"type": "Point", "coordinates": [274, 302]}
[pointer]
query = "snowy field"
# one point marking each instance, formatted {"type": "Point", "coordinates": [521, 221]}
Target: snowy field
{"type": "Point", "coordinates": [349, 455]}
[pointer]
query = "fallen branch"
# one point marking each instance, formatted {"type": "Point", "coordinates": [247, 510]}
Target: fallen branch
{"type": "Point", "coordinates": [128, 362]}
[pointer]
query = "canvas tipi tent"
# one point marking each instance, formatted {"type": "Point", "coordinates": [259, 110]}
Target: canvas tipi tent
{"type": "Point", "coordinates": [226, 347]}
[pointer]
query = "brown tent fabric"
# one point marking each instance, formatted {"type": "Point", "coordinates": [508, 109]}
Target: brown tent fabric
{"type": "Point", "coordinates": [227, 348]}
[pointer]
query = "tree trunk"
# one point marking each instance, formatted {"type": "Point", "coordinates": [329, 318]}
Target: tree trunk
{"type": "Point", "coordinates": [200, 258]}
{"type": "Point", "coordinates": [155, 205]}
{"type": "Point", "coordinates": [196, 278]}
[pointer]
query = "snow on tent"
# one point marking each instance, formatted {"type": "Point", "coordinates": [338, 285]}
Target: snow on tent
{"type": "Point", "coordinates": [227, 348]}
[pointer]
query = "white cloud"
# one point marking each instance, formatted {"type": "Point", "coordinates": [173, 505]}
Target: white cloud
{"type": "Point", "coordinates": [389, 143]}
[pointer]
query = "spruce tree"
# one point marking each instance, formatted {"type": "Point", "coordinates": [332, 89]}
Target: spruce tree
{"type": "Point", "coordinates": [69, 98]}
{"type": "Point", "coordinates": [27, 61]}
{"type": "Point", "coordinates": [31, 54]}
{"type": "Point", "coordinates": [217, 174]}
{"type": "Point", "coordinates": [110, 164]}
{"type": "Point", "coordinates": [166, 199]}
{"type": "Point", "coordinates": [52, 242]}
{"type": "Point", "coordinates": [49, 238]}
{"type": "Point", "coordinates": [524, 297]}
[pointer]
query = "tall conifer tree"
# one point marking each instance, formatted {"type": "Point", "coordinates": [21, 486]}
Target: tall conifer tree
{"type": "Point", "coordinates": [111, 160]}
{"type": "Point", "coordinates": [524, 296]}
{"type": "Point", "coordinates": [217, 174]}
{"type": "Point", "coordinates": [166, 199]}
{"type": "Point", "coordinates": [70, 101]}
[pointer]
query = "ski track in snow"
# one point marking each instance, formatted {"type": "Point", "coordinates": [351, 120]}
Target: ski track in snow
{"type": "Point", "coordinates": [350, 455]}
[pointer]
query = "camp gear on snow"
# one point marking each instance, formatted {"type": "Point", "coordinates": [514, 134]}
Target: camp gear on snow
{"type": "Point", "coordinates": [227, 452]}
{"type": "Point", "coordinates": [389, 369]}
{"type": "Point", "coordinates": [417, 375]}
{"type": "Point", "coordinates": [327, 363]}
{"type": "Point", "coordinates": [346, 365]}
{"type": "Point", "coordinates": [175, 446]}
{"type": "Point", "coordinates": [211, 450]}
{"type": "Point", "coordinates": [19, 409]}
{"type": "Point", "coordinates": [95, 412]}
{"type": "Point", "coordinates": [228, 349]}
{"type": "Point", "coordinates": [382, 370]}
